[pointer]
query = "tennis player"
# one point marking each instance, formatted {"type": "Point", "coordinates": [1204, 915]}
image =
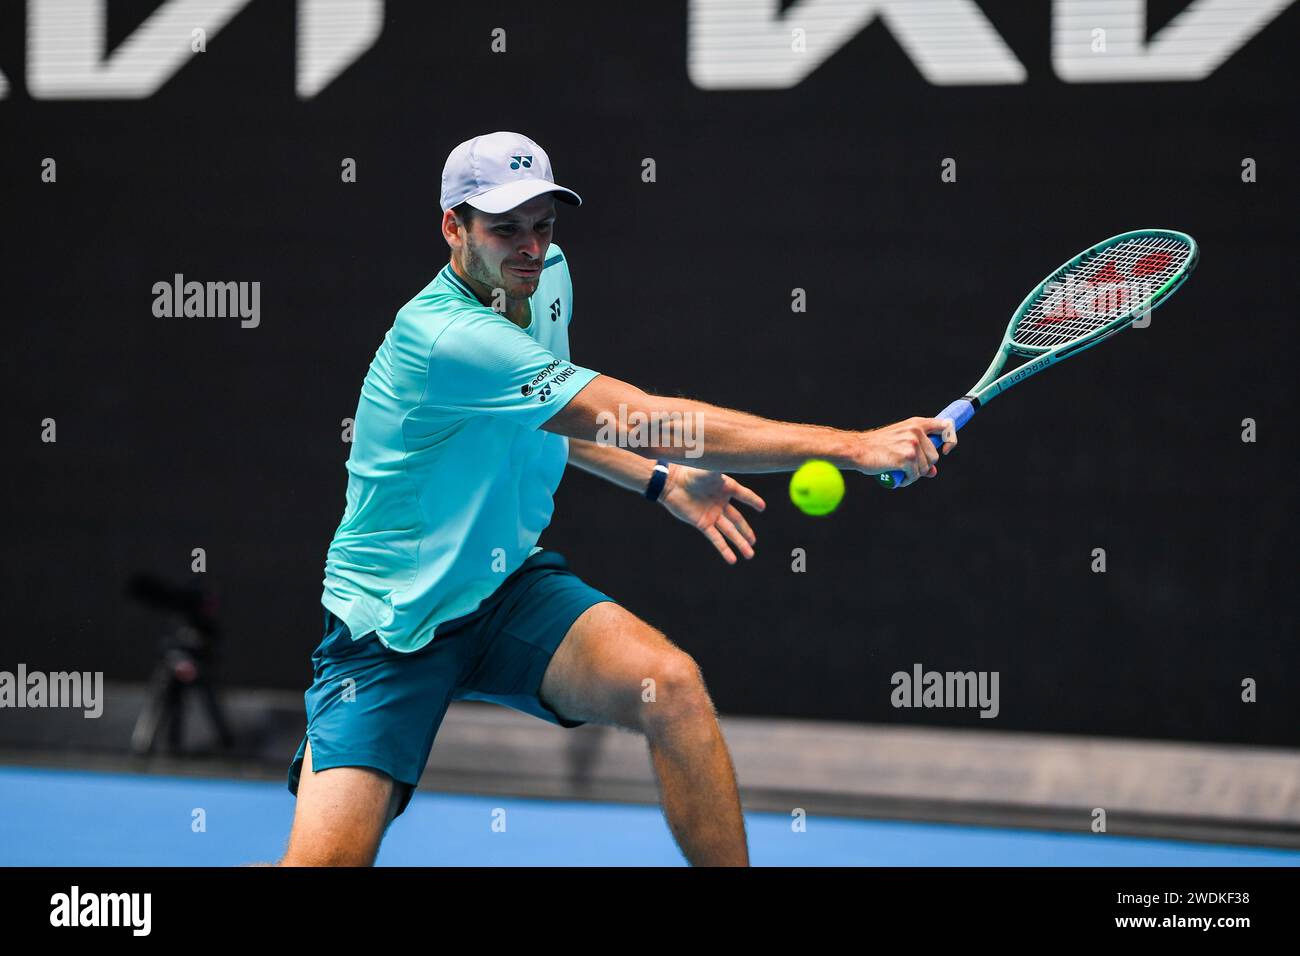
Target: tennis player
{"type": "Point", "coordinates": [435, 587]}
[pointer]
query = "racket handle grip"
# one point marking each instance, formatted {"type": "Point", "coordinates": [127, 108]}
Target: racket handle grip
{"type": "Point", "coordinates": [959, 411]}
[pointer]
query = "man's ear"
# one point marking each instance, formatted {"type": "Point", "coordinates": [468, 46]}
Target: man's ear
{"type": "Point", "coordinates": [451, 227]}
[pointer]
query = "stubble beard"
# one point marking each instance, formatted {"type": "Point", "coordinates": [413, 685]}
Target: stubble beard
{"type": "Point", "coordinates": [476, 267]}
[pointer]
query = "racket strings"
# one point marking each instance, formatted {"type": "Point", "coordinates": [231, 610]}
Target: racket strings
{"type": "Point", "coordinates": [1098, 289]}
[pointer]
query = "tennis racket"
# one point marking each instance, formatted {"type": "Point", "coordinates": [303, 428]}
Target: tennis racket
{"type": "Point", "coordinates": [1099, 292]}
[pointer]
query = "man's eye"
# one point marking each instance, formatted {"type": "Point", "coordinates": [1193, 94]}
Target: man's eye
{"type": "Point", "coordinates": [544, 227]}
{"type": "Point", "coordinates": [505, 230]}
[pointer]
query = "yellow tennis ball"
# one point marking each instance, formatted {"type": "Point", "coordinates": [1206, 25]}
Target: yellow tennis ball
{"type": "Point", "coordinates": [817, 487]}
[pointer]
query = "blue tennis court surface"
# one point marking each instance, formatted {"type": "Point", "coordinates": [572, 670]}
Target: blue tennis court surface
{"type": "Point", "coordinates": [74, 818]}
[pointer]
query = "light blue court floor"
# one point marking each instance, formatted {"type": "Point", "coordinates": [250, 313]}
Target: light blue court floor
{"type": "Point", "coordinates": [73, 818]}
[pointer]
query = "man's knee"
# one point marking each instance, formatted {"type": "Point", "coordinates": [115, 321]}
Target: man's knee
{"type": "Point", "coordinates": [679, 696]}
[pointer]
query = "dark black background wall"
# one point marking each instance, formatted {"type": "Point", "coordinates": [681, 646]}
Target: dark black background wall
{"type": "Point", "coordinates": [183, 433]}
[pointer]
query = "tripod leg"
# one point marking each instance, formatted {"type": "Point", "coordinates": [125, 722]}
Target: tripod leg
{"type": "Point", "coordinates": [144, 736]}
{"type": "Point", "coordinates": [216, 714]}
{"type": "Point", "coordinates": [176, 715]}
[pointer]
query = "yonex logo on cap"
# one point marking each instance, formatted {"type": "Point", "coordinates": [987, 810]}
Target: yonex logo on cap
{"type": "Point", "coordinates": [498, 171]}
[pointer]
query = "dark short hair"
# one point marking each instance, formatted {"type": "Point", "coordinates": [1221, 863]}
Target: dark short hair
{"type": "Point", "coordinates": [465, 213]}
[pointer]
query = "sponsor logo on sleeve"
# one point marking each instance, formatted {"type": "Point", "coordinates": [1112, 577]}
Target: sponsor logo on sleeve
{"type": "Point", "coordinates": [543, 391]}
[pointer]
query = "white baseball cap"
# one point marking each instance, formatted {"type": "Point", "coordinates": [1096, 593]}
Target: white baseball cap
{"type": "Point", "coordinates": [498, 171]}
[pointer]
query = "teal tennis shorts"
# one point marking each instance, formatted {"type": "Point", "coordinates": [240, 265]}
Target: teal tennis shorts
{"type": "Point", "coordinates": [389, 715]}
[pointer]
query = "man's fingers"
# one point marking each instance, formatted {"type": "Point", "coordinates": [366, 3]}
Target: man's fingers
{"type": "Point", "coordinates": [917, 444]}
{"type": "Point", "coordinates": [733, 513]}
{"type": "Point", "coordinates": [744, 495]}
{"type": "Point", "coordinates": [927, 454]}
{"type": "Point", "coordinates": [945, 429]}
{"type": "Point", "coordinates": [949, 435]}
{"type": "Point", "coordinates": [909, 472]}
{"type": "Point", "coordinates": [931, 454]}
{"type": "Point", "coordinates": [908, 465]}
{"type": "Point", "coordinates": [738, 539]}
{"type": "Point", "coordinates": [714, 535]}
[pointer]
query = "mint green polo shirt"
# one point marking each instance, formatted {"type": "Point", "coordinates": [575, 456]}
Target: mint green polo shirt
{"type": "Point", "coordinates": [450, 479]}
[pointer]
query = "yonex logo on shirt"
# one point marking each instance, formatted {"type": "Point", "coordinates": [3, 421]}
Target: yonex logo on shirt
{"type": "Point", "coordinates": [545, 392]}
{"type": "Point", "coordinates": [528, 389]}
{"type": "Point", "coordinates": [555, 310]}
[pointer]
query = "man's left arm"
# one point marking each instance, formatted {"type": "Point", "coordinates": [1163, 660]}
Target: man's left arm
{"type": "Point", "coordinates": [705, 500]}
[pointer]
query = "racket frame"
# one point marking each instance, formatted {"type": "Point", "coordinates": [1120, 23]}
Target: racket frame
{"type": "Point", "coordinates": [991, 384]}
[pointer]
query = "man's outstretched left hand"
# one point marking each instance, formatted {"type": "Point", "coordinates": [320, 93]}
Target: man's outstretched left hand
{"type": "Point", "coordinates": [707, 500]}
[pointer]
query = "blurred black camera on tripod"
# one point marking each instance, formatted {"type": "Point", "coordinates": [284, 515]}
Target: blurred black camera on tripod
{"type": "Point", "coordinates": [185, 664]}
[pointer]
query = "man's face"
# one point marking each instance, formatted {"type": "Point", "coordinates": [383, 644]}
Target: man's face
{"type": "Point", "coordinates": [506, 250]}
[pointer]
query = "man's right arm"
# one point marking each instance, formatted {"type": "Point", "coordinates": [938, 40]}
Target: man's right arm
{"type": "Point", "coordinates": [722, 439]}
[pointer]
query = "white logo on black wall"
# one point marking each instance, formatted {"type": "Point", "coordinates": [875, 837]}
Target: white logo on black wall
{"type": "Point", "coordinates": [734, 45]}
{"type": "Point", "coordinates": [68, 56]}
{"type": "Point", "coordinates": [731, 44]}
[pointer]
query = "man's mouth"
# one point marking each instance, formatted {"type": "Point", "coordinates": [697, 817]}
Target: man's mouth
{"type": "Point", "coordinates": [526, 271]}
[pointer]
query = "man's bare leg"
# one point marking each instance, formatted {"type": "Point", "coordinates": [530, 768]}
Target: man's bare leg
{"type": "Point", "coordinates": [599, 674]}
{"type": "Point", "coordinates": [341, 816]}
